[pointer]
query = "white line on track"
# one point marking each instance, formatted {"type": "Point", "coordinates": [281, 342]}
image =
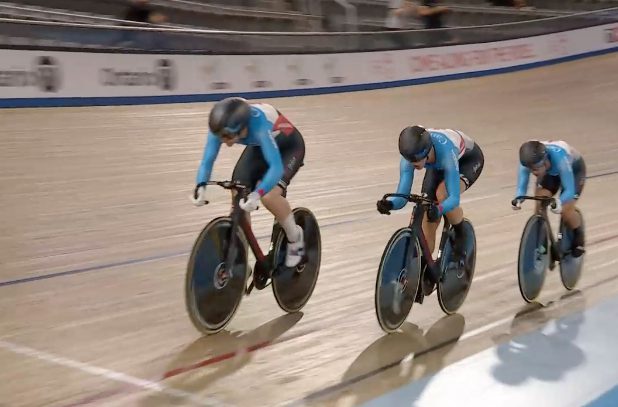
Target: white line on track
{"type": "Point", "coordinates": [108, 374]}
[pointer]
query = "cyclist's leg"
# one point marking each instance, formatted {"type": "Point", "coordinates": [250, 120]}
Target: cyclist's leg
{"type": "Point", "coordinates": [456, 215]}
{"type": "Point", "coordinates": [455, 218]}
{"type": "Point", "coordinates": [292, 148]}
{"type": "Point", "coordinates": [249, 169]}
{"type": "Point", "coordinates": [570, 215]}
{"type": "Point", "coordinates": [569, 212]}
{"type": "Point", "coordinates": [432, 179]}
{"type": "Point", "coordinates": [470, 168]}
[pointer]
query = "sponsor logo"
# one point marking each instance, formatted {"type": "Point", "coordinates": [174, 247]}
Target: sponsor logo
{"type": "Point", "coordinates": [163, 76]}
{"type": "Point", "coordinates": [331, 67]}
{"type": "Point", "coordinates": [611, 34]}
{"type": "Point", "coordinates": [271, 136]}
{"type": "Point", "coordinates": [465, 180]}
{"type": "Point", "coordinates": [403, 279]}
{"type": "Point", "coordinates": [45, 75]}
{"type": "Point", "coordinates": [292, 163]}
{"type": "Point", "coordinates": [254, 70]}
{"type": "Point", "coordinates": [211, 72]}
{"type": "Point", "coordinates": [558, 44]}
{"type": "Point", "coordinates": [473, 58]}
{"type": "Point", "coordinates": [297, 68]}
{"type": "Point", "coordinates": [384, 65]}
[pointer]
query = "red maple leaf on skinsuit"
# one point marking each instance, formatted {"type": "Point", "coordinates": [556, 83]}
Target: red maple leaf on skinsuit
{"type": "Point", "coordinates": [283, 125]}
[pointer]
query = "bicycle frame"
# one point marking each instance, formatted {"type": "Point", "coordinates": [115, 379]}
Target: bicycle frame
{"type": "Point", "coordinates": [542, 212]}
{"type": "Point", "coordinates": [416, 225]}
{"type": "Point", "coordinates": [239, 219]}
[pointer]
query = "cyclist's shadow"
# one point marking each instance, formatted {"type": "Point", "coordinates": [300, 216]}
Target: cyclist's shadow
{"type": "Point", "coordinates": [405, 356]}
{"type": "Point", "coordinates": [545, 355]}
{"type": "Point", "coordinates": [211, 358]}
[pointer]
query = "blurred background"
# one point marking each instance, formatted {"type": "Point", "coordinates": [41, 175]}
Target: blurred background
{"type": "Point", "coordinates": [98, 225]}
{"type": "Point", "coordinates": [317, 16]}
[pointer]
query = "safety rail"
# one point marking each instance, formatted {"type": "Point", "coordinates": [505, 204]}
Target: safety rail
{"type": "Point", "coordinates": [160, 40]}
{"type": "Point", "coordinates": [49, 14]}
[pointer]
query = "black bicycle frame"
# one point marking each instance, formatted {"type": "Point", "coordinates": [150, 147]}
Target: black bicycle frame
{"type": "Point", "coordinates": [542, 212]}
{"type": "Point", "coordinates": [416, 225]}
{"type": "Point", "coordinates": [239, 218]}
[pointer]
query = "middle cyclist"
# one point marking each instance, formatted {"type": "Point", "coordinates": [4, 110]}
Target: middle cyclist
{"type": "Point", "coordinates": [453, 162]}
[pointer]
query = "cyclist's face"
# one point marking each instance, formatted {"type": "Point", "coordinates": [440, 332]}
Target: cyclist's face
{"type": "Point", "coordinates": [539, 170]}
{"type": "Point", "coordinates": [231, 139]}
{"type": "Point", "coordinates": [419, 165]}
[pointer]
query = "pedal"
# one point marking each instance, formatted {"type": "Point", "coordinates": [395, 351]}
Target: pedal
{"type": "Point", "coordinates": [249, 288]}
{"type": "Point", "coordinates": [578, 252]}
{"type": "Point", "coordinates": [261, 282]}
{"type": "Point", "coordinates": [300, 267]}
{"type": "Point", "coordinates": [460, 268]}
{"type": "Point", "coordinates": [261, 275]}
{"type": "Point", "coordinates": [555, 252]}
{"type": "Point", "coordinates": [419, 296]}
{"type": "Point", "coordinates": [427, 286]}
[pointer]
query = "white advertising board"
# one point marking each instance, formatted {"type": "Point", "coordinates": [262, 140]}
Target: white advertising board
{"type": "Point", "coordinates": [42, 78]}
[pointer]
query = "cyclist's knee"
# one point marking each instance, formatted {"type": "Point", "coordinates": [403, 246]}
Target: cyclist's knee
{"type": "Point", "coordinates": [569, 212]}
{"type": "Point", "coordinates": [569, 207]}
{"type": "Point", "coordinates": [273, 194]}
{"type": "Point", "coordinates": [455, 216]}
{"type": "Point", "coordinates": [441, 193]}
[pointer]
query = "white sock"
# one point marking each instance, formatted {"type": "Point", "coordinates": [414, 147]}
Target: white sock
{"type": "Point", "coordinates": [292, 231]}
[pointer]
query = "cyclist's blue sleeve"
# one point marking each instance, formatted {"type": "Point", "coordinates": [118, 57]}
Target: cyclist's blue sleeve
{"type": "Point", "coordinates": [566, 177]}
{"type": "Point", "coordinates": [523, 176]}
{"type": "Point", "coordinates": [211, 150]}
{"type": "Point", "coordinates": [406, 176]}
{"type": "Point", "coordinates": [273, 158]}
{"type": "Point", "coordinates": [450, 165]}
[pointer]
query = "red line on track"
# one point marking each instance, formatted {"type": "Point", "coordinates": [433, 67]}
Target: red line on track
{"type": "Point", "coordinates": [225, 356]}
{"type": "Point", "coordinates": [214, 359]}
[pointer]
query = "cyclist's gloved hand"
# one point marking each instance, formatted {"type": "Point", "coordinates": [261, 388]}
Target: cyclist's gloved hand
{"type": "Point", "coordinates": [385, 206]}
{"type": "Point", "coordinates": [557, 207]}
{"type": "Point", "coordinates": [199, 195]}
{"type": "Point", "coordinates": [434, 212]}
{"type": "Point", "coordinates": [516, 204]}
{"type": "Point", "coordinates": [251, 202]}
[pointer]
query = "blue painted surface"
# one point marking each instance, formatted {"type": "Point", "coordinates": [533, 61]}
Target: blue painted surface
{"type": "Point", "coordinates": [609, 399]}
{"type": "Point", "coordinates": [138, 100]}
{"type": "Point", "coordinates": [568, 362]}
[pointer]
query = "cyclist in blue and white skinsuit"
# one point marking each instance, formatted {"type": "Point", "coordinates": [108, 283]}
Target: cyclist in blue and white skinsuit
{"type": "Point", "coordinates": [556, 165]}
{"type": "Point", "coordinates": [453, 162]}
{"type": "Point", "coordinates": [274, 153]}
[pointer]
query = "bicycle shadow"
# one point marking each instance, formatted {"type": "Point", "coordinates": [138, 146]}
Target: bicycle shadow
{"type": "Point", "coordinates": [211, 358]}
{"type": "Point", "coordinates": [404, 356]}
{"type": "Point", "coordinates": [545, 355]}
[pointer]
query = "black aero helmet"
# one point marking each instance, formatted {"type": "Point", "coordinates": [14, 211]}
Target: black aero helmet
{"type": "Point", "coordinates": [532, 153]}
{"type": "Point", "coordinates": [414, 143]}
{"type": "Point", "coordinates": [229, 116]}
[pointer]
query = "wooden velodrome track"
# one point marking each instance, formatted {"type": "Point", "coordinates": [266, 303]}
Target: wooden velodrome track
{"type": "Point", "coordinates": [97, 225]}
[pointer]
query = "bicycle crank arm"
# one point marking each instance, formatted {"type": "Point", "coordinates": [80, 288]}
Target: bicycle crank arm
{"type": "Point", "coordinates": [249, 288]}
{"type": "Point", "coordinates": [435, 274]}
